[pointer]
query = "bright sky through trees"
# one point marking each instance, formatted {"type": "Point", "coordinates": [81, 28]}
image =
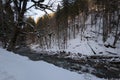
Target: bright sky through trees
{"type": "Point", "coordinates": [35, 13]}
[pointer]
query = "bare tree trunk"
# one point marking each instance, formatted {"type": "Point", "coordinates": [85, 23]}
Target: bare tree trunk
{"type": "Point", "coordinates": [1, 18]}
{"type": "Point", "coordinates": [82, 25]}
{"type": "Point", "coordinates": [105, 28]}
{"type": "Point", "coordinates": [20, 16]}
{"type": "Point", "coordinates": [12, 43]}
{"type": "Point", "coordinates": [74, 28]}
{"type": "Point", "coordinates": [58, 36]}
{"type": "Point", "coordinates": [117, 35]}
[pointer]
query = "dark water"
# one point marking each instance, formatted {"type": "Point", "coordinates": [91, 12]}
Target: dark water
{"type": "Point", "coordinates": [99, 66]}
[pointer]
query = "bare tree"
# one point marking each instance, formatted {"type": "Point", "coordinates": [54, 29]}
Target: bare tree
{"type": "Point", "coordinates": [20, 8]}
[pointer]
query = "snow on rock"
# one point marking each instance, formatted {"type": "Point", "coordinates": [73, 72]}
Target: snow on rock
{"type": "Point", "coordinates": [110, 40]}
{"type": "Point", "coordinates": [51, 51]}
{"type": "Point", "coordinates": [35, 47]}
{"type": "Point", "coordinates": [15, 67]}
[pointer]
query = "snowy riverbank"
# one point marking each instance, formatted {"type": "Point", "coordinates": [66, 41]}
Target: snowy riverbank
{"type": "Point", "coordinates": [15, 67]}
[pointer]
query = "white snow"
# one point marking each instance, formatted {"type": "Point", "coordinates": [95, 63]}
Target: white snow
{"type": "Point", "coordinates": [77, 46]}
{"type": "Point", "coordinates": [16, 67]}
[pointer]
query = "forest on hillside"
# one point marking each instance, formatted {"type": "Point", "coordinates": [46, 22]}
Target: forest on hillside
{"type": "Point", "coordinates": [72, 18]}
{"type": "Point", "coordinates": [56, 29]}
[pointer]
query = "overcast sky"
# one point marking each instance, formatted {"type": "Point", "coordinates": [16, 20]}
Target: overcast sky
{"type": "Point", "coordinates": [37, 13]}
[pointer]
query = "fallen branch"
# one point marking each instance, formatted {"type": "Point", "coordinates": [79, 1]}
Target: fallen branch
{"type": "Point", "coordinates": [91, 48]}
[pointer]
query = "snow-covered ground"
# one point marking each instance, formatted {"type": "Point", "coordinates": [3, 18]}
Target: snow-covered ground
{"type": "Point", "coordinates": [76, 47]}
{"type": "Point", "coordinates": [16, 67]}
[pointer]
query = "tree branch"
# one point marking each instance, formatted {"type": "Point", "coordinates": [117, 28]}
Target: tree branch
{"type": "Point", "coordinates": [30, 7]}
{"type": "Point", "coordinates": [24, 6]}
{"type": "Point", "coordinates": [16, 5]}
